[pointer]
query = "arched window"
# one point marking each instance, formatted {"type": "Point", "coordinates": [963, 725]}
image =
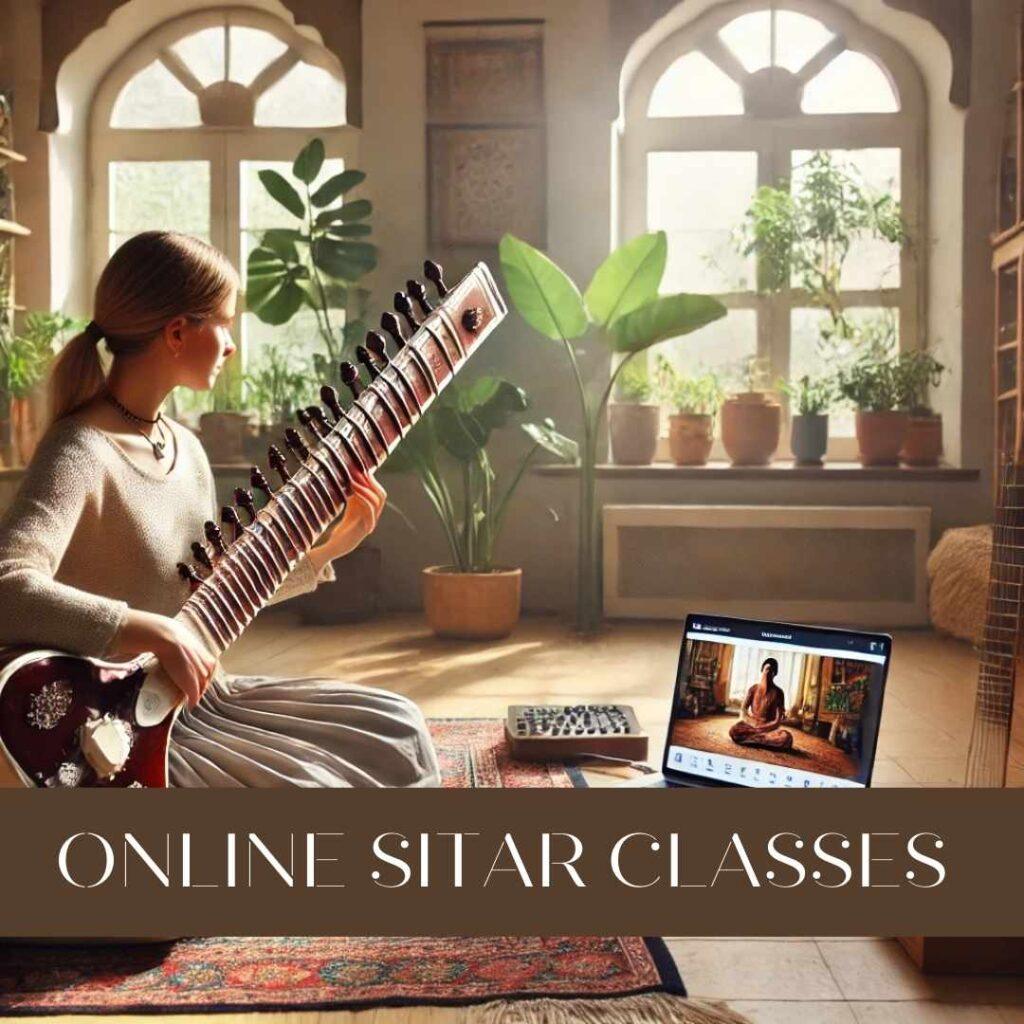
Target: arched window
{"type": "Point", "coordinates": [742, 97]}
{"type": "Point", "coordinates": [184, 121]}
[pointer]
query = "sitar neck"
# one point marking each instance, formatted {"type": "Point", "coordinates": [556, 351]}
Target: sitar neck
{"type": "Point", "coordinates": [241, 571]}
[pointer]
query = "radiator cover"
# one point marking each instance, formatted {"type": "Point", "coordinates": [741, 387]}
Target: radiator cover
{"type": "Point", "coordinates": [855, 566]}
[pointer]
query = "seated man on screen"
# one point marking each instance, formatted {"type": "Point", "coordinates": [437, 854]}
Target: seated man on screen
{"type": "Point", "coordinates": [761, 715]}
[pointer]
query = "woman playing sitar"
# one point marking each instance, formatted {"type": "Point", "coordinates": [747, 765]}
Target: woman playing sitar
{"type": "Point", "coordinates": [115, 494]}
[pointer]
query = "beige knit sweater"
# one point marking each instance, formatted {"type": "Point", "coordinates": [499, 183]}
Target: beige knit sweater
{"type": "Point", "coordinates": [91, 533]}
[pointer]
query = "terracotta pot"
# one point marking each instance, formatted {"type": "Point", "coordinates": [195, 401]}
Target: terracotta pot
{"type": "Point", "coordinates": [472, 605]}
{"type": "Point", "coordinates": [808, 439]}
{"type": "Point", "coordinates": [24, 430]}
{"type": "Point", "coordinates": [751, 427]}
{"type": "Point", "coordinates": [633, 433]}
{"type": "Point", "coordinates": [880, 437]}
{"type": "Point", "coordinates": [690, 436]}
{"type": "Point", "coordinates": [223, 435]}
{"type": "Point", "coordinates": [922, 445]}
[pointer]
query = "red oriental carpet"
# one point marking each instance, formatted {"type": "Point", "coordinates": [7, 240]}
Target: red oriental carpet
{"type": "Point", "coordinates": [231, 974]}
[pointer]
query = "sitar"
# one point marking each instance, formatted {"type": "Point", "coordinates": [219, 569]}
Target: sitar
{"type": "Point", "coordinates": [70, 721]}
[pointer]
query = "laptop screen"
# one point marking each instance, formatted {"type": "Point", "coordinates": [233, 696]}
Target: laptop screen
{"type": "Point", "coordinates": [776, 705]}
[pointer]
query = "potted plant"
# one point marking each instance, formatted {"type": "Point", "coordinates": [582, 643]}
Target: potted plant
{"type": "Point", "coordinates": [802, 237]}
{"type": "Point", "coordinates": [919, 372]}
{"type": "Point", "coordinates": [279, 383]}
{"type": "Point", "coordinates": [752, 418]}
{"type": "Point", "coordinates": [696, 400]}
{"type": "Point", "coordinates": [25, 359]}
{"type": "Point", "coordinates": [472, 597]}
{"type": "Point", "coordinates": [872, 384]}
{"type": "Point", "coordinates": [633, 419]}
{"type": "Point", "coordinates": [811, 398]}
{"type": "Point", "coordinates": [624, 313]}
{"type": "Point", "coordinates": [318, 263]}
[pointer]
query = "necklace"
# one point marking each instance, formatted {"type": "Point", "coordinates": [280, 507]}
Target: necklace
{"type": "Point", "coordinates": [136, 421]}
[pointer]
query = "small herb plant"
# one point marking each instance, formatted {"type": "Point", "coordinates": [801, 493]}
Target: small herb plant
{"type": "Point", "coordinates": [634, 385]}
{"type": "Point", "coordinates": [699, 395]}
{"type": "Point", "coordinates": [25, 358]}
{"type": "Point", "coordinates": [918, 372]}
{"type": "Point", "coordinates": [278, 384]}
{"type": "Point", "coordinates": [809, 396]}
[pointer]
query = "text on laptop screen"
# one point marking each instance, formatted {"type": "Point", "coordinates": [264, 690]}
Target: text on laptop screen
{"type": "Point", "coordinates": [763, 705]}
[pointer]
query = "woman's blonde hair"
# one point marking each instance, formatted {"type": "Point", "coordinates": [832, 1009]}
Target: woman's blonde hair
{"type": "Point", "coordinates": [151, 279]}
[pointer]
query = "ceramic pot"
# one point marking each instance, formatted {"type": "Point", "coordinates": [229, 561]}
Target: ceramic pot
{"type": "Point", "coordinates": [24, 430]}
{"type": "Point", "coordinates": [690, 436]}
{"type": "Point", "coordinates": [633, 433]}
{"type": "Point", "coordinates": [922, 445]}
{"type": "Point", "coordinates": [258, 437]}
{"type": "Point", "coordinates": [880, 437]}
{"type": "Point", "coordinates": [223, 435]}
{"type": "Point", "coordinates": [751, 427]}
{"type": "Point", "coordinates": [808, 438]}
{"type": "Point", "coordinates": [471, 605]}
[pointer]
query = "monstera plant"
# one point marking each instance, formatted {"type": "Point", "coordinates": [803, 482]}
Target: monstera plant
{"type": "Point", "coordinates": [472, 597]}
{"type": "Point", "coordinates": [318, 263]}
{"type": "Point", "coordinates": [621, 314]}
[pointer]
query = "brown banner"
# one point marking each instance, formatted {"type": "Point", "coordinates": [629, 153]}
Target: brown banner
{"type": "Point", "coordinates": [434, 862]}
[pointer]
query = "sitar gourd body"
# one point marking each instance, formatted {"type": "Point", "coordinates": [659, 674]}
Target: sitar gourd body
{"type": "Point", "coordinates": [71, 721]}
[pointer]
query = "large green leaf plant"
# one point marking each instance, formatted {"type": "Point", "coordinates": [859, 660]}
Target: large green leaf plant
{"type": "Point", "coordinates": [318, 263]}
{"type": "Point", "coordinates": [448, 452]}
{"type": "Point", "coordinates": [622, 312]}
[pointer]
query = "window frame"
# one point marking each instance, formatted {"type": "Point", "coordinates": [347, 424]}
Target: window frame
{"type": "Point", "coordinates": [774, 139]}
{"type": "Point", "coordinates": [224, 147]}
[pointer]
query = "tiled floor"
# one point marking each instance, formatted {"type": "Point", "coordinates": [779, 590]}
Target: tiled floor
{"type": "Point", "coordinates": [923, 742]}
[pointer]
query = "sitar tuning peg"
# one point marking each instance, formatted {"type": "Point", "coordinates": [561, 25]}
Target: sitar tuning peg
{"type": "Point", "coordinates": [302, 415]}
{"type": "Point", "coordinates": [258, 482]}
{"type": "Point", "coordinates": [318, 421]}
{"type": "Point", "coordinates": [364, 357]}
{"type": "Point", "coordinates": [432, 272]}
{"type": "Point", "coordinates": [278, 463]}
{"type": "Point", "coordinates": [329, 396]}
{"type": "Point", "coordinates": [419, 293]}
{"type": "Point", "coordinates": [202, 556]}
{"type": "Point", "coordinates": [187, 573]}
{"type": "Point", "coordinates": [404, 307]}
{"type": "Point", "coordinates": [244, 499]}
{"type": "Point", "coordinates": [389, 322]}
{"type": "Point", "coordinates": [294, 440]}
{"type": "Point", "coordinates": [214, 536]}
{"type": "Point", "coordinates": [377, 347]}
{"type": "Point", "coordinates": [350, 378]}
{"type": "Point", "coordinates": [229, 515]}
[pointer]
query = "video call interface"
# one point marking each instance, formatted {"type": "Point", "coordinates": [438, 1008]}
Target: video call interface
{"type": "Point", "coordinates": [767, 706]}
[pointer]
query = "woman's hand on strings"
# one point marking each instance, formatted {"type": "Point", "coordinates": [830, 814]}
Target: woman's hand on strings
{"type": "Point", "coordinates": [357, 522]}
{"type": "Point", "coordinates": [188, 664]}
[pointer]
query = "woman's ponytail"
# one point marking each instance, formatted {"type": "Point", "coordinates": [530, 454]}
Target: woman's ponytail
{"type": "Point", "coordinates": [76, 376]}
{"type": "Point", "coordinates": [152, 278]}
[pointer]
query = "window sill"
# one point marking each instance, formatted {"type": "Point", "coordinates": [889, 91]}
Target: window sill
{"type": "Point", "coordinates": [780, 470]}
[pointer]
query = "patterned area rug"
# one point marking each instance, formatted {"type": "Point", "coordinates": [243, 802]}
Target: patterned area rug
{"type": "Point", "coordinates": [474, 755]}
{"type": "Point", "coordinates": [220, 975]}
{"type": "Point", "coordinates": [226, 974]}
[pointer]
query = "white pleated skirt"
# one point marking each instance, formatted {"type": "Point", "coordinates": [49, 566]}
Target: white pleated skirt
{"type": "Point", "coordinates": [262, 732]}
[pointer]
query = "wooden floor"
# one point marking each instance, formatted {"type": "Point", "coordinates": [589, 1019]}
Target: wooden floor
{"type": "Point", "coordinates": [923, 742]}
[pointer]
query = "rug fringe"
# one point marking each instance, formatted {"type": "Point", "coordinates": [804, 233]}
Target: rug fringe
{"type": "Point", "coordinates": [652, 1008]}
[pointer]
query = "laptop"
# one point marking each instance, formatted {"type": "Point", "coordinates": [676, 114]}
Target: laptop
{"type": "Point", "coordinates": [773, 705]}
